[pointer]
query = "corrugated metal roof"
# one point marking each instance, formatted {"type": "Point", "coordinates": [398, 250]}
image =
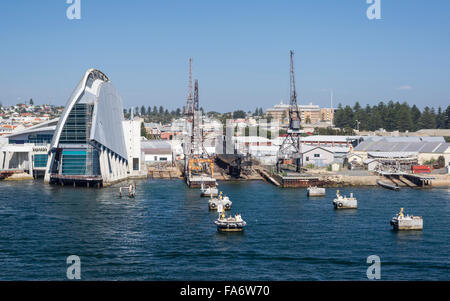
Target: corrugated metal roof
{"type": "Point", "coordinates": [442, 148]}
{"type": "Point", "coordinates": [392, 154]}
{"type": "Point", "coordinates": [419, 147]}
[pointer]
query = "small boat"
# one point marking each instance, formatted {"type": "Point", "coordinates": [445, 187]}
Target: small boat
{"type": "Point", "coordinates": [409, 222]}
{"type": "Point", "coordinates": [208, 191]}
{"type": "Point", "coordinates": [388, 186]}
{"type": "Point", "coordinates": [344, 202]}
{"type": "Point", "coordinates": [214, 203]}
{"type": "Point", "coordinates": [316, 191]}
{"type": "Point", "coordinates": [229, 224]}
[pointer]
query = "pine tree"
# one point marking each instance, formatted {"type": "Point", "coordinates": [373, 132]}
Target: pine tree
{"type": "Point", "coordinates": [415, 117]}
{"type": "Point", "coordinates": [440, 119]}
{"type": "Point", "coordinates": [447, 118]}
{"type": "Point", "coordinates": [404, 121]}
{"type": "Point", "coordinates": [349, 120]}
{"type": "Point", "coordinates": [339, 117]}
{"type": "Point", "coordinates": [427, 119]}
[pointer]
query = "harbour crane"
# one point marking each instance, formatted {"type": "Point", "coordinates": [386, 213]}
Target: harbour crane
{"type": "Point", "coordinates": [197, 159]}
{"type": "Point", "coordinates": [290, 150]}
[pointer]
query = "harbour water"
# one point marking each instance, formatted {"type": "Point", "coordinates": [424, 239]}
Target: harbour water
{"type": "Point", "coordinates": [167, 233]}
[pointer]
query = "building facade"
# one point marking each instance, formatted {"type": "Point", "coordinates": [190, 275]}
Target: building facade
{"type": "Point", "coordinates": [88, 145]}
{"type": "Point", "coordinates": [309, 113]}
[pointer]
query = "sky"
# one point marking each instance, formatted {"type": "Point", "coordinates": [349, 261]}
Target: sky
{"type": "Point", "coordinates": [240, 51]}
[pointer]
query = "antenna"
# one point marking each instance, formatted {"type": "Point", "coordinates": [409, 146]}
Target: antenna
{"type": "Point", "coordinates": [331, 96]}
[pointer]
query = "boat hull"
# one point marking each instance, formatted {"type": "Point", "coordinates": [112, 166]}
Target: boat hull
{"type": "Point", "coordinates": [407, 224]}
{"type": "Point", "coordinates": [388, 186]}
{"type": "Point", "coordinates": [316, 192]}
{"type": "Point", "coordinates": [230, 229]}
{"type": "Point", "coordinates": [345, 204]}
{"type": "Point", "coordinates": [230, 226]}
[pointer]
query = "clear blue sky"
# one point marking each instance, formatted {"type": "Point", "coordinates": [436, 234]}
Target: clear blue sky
{"type": "Point", "coordinates": [240, 50]}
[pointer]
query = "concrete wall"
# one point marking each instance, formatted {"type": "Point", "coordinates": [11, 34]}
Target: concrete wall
{"type": "Point", "coordinates": [132, 135]}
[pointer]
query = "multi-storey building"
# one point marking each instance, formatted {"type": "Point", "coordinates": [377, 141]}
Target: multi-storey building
{"type": "Point", "coordinates": [309, 114]}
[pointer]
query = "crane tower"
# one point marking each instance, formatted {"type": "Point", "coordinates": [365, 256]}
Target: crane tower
{"type": "Point", "coordinates": [290, 149]}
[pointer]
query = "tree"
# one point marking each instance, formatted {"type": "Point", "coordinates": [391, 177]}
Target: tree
{"type": "Point", "coordinates": [404, 121]}
{"type": "Point", "coordinates": [415, 117]}
{"type": "Point", "coordinates": [427, 119]}
{"type": "Point", "coordinates": [339, 117]}
{"type": "Point", "coordinates": [447, 118]}
{"type": "Point", "coordinates": [349, 120]}
{"type": "Point", "coordinates": [390, 121]}
{"type": "Point", "coordinates": [31, 102]}
{"type": "Point", "coordinates": [239, 114]}
{"type": "Point", "coordinates": [143, 131]}
{"type": "Point", "coordinates": [142, 110]}
{"type": "Point", "coordinates": [440, 119]}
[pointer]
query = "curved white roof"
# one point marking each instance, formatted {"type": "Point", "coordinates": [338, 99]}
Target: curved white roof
{"type": "Point", "coordinates": [95, 88]}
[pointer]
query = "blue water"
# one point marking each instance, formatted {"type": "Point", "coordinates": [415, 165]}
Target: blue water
{"type": "Point", "coordinates": [167, 233]}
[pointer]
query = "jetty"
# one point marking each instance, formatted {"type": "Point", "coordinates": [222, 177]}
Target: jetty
{"type": "Point", "coordinates": [408, 179]}
{"type": "Point", "coordinates": [267, 176]}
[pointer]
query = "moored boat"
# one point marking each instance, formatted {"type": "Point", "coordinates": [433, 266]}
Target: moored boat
{"type": "Point", "coordinates": [221, 200]}
{"type": "Point", "coordinates": [208, 191]}
{"type": "Point", "coordinates": [408, 222]}
{"type": "Point", "coordinates": [388, 186]}
{"type": "Point", "coordinates": [316, 191]}
{"type": "Point", "coordinates": [230, 224]}
{"type": "Point", "coordinates": [344, 202]}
